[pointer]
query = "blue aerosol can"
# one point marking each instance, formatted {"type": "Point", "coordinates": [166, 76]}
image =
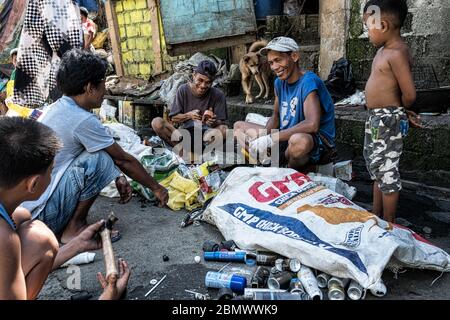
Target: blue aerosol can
{"type": "Point", "coordinates": [225, 280]}
{"type": "Point", "coordinates": [232, 256]}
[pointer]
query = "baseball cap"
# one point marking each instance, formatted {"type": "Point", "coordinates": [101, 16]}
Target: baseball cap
{"type": "Point", "coordinates": [207, 68]}
{"type": "Point", "coordinates": [280, 44]}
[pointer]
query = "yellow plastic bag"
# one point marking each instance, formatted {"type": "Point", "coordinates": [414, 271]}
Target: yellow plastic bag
{"type": "Point", "coordinates": [182, 192]}
{"type": "Point", "coordinates": [15, 110]}
{"type": "Point", "coordinates": [100, 39]}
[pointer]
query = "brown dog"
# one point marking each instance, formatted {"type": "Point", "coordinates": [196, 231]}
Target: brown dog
{"type": "Point", "coordinates": [254, 64]}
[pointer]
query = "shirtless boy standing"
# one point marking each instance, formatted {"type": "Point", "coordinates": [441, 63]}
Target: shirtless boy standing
{"type": "Point", "coordinates": [389, 91]}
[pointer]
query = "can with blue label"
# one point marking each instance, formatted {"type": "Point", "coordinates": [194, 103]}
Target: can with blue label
{"type": "Point", "coordinates": [231, 256]}
{"type": "Point", "coordinates": [225, 280]}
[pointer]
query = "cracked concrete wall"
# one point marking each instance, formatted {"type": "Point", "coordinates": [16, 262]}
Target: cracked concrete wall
{"type": "Point", "coordinates": [426, 30]}
{"type": "Point", "coordinates": [333, 26]}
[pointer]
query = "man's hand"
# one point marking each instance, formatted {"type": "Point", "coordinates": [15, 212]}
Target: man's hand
{"type": "Point", "coordinates": [124, 189]}
{"type": "Point", "coordinates": [88, 240]}
{"type": "Point", "coordinates": [162, 195]}
{"type": "Point", "coordinates": [194, 115]}
{"type": "Point", "coordinates": [259, 148]}
{"type": "Point", "coordinates": [261, 144]}
{"type": "Point", "coordinates": [212, 122]}
{"type": "Point", "coordinates": [113, 287]}
{"type": "Point", "coordinates": [414, 119]}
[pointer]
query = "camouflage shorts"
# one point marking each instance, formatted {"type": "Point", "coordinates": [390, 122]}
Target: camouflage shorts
{"type": "Point", "coordinates": [383, 145]}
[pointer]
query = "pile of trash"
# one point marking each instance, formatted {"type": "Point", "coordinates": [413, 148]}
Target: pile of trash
{"type": "Point", "coordinates": [283, 211]}
{"type": "Point", "coordinates": [267, 275]}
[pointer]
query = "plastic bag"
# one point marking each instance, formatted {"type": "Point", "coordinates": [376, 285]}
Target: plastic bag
{"type": "Point", "coordinates": [341, 82]}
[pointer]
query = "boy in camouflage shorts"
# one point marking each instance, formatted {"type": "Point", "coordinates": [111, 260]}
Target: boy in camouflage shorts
{"type": "Point", "coordinates": [389, 90]}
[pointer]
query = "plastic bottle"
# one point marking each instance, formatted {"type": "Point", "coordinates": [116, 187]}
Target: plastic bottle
{"type": "Point", "coordinates": [224, 256]}
{"type": "Point", "coordinates": [82, 258]}
{"type": "Point", "coordinates": [225, 280]}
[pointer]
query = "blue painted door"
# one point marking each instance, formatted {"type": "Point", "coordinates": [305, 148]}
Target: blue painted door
{"type": "Point", "coordinates": [198, 20]}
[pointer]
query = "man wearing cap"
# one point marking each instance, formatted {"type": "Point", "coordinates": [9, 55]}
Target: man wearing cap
{"type": "Point", "coordinates": [190, 104]}
{"type": "Point", "coordinates": [303, 113]}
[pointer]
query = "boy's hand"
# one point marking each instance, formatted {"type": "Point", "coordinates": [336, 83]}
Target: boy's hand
{"type": "Point", "coordinates": [113, 287]}
{"type": "Point", "coordinates": [87, 239]}
{"type": "Point", "coordinates": [414, 119]}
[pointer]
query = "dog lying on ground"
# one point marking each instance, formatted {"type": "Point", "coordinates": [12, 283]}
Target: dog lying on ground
{"type": "Point", "coordinates": [253, 64]}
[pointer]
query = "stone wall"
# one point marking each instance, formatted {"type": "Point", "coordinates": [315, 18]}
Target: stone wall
{"type": "Point", "coordinates": [426, 30]}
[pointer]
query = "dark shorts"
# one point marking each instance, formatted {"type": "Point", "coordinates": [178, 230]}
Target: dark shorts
{"type": "Point", "coordinates": [320, 151]}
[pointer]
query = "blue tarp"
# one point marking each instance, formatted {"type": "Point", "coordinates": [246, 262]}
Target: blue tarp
{"type": "Point", "coordinates": [91, 5]}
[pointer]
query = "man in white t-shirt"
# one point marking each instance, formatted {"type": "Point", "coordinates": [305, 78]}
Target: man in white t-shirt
{"type": "Point", "coordinates": [90, 158]}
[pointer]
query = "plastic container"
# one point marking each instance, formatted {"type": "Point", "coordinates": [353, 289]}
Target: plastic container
{"type": "Point", "coordinates": [82, 258]}
{"type": "Point", "coordinates": [231, 256]}
{"type": "Point", "coordinates": [264, 8]}
{"type": "Point", "coordinates": [225, 280]}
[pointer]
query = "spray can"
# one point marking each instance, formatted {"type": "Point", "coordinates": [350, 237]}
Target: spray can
{"type": "Point", "coordinates": [341, 282]}
{"type": "Point", "coordinates": [224, 256]}
{"type": "Point", "coordinates": [294, 264]}
{"type": "Point", "coordinates": [336, 289]}
{"type": "Point", "coordinates": [225, 280]}
{"type": "Point", "coordinates": [280, 280]}
{"type": "Point", "coordinates": [281, 265]}
{"type": "Point", "coordinates": [269, 295]}
{"type": "Point", "coordinates": [378, 289]}
{"type": "Point", "coordinates": [296, 286]}
{"type": "Point", "coordinates": [250, 292]}
{"type": "Point", "coordinates": [309, 282]}
{"type": "Point", "coordinates": [322, 280]}
{"type": "Point", "coordinates": [265, 258]}
{"type": "Point", "coordinates": [355, 290]}
{"type": "Point", "coordinates": [259, 278]}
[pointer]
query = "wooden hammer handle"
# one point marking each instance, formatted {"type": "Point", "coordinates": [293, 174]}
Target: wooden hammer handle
{"type": "Point", "coordinates": [108, 253]}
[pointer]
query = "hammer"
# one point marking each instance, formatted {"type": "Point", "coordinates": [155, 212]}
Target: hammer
{"type": "Point", "coordinates": [105, 233]}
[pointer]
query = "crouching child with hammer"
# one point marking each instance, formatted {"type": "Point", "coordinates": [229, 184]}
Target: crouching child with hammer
{"type": "Point", "coordinates": [29, 250]}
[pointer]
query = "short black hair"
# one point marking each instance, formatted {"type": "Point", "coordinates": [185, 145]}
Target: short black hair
{"type": "Point", "coordinates": [27, 147]}
{"type": "Point", "coordinates": [77, 69]}
{"type": "Point", "coordinates": [84, 11]}
{"type": "Point", "coordinates": [396, 8]}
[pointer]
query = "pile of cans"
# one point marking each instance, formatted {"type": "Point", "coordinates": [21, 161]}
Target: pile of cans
{"type": "Point", "coordinates": [280, 278]}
